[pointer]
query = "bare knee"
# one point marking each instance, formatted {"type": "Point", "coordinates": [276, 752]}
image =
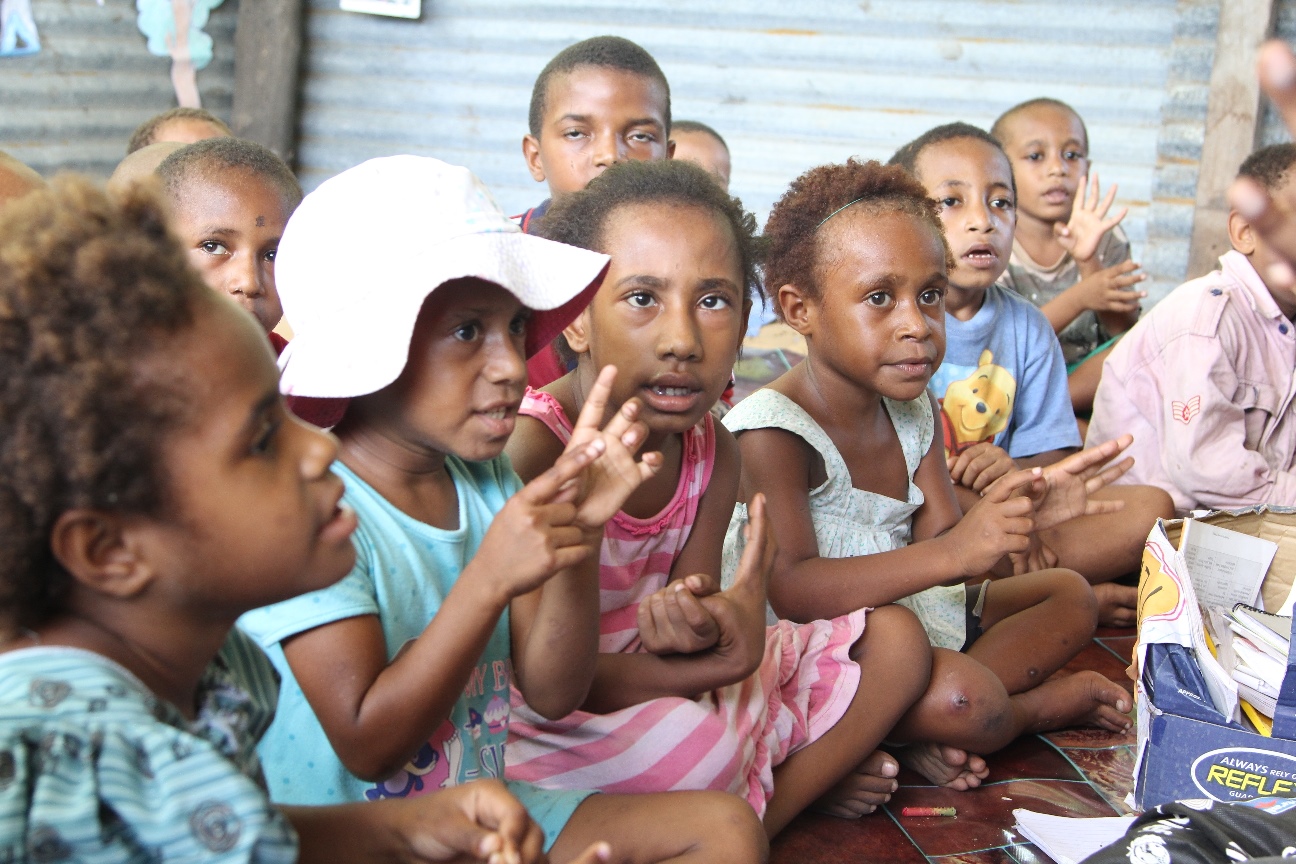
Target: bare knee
{"type": "Point", "coordinates": [895, 640]}
{"type": "Point", "coordinates": [1074, 593]}
{"type": "Point", "coordinates": [970, 697]}
{"type": "Point", "coordinates": [732, 831]}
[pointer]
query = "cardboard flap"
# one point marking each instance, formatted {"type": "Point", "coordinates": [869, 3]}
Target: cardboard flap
{"type": "Point", "coordinates": [1284, 720]}
{"type": "Point", "coordinates": [1277, 524]}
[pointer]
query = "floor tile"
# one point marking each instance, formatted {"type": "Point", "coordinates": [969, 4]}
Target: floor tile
{"type": "Point", "coordinates": [1099, 659]}
{"type": "Point", "coordinates": [985, 817]}
{"type": "Point", "coordinates": [1110, 770]}
{"type": "Point", "coordinates": [1090, 737]}
{"type": "Point", "coordinates": [816, 839]}
{"type": "Point", "coordinates": [1030, 758]}
{"type": "Point", "coordinates": [1109, 632]}
{"type": "Point", "coordinates": [1122, 646]}
{"type": "Point", "coordinates": [985, 856]}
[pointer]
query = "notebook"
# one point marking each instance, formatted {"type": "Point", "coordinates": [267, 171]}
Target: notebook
{"type": "Point", "coordinates": [1067, 840]}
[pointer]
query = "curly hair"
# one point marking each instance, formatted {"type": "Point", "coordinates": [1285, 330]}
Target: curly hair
{"type": "Point", "coordinates": [605, 52]}
{"type": "Point", "coordinates": [795, 253]}
{"type": "Point", "coordinates": [1270, 166]}
{"type": "Point", "coordinates": [212, 158]}
{"type": "Point", "coordinates": [143, 134]}
{"type": "Point", "coordinates": [1000, 127]}
{"type": "Point", "coordinates": [579, 219]}
{"type": "Point", "coordinates": [89, 287]}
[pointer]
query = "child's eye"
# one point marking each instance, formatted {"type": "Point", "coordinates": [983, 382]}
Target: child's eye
{"type": "Point", "coordinates": [467, 332]}
{"type": "Point", "coordinates": [211, 247]}
{"type": "Point", "coordinates": [643, 137]}
{"type": "Point", "coordinates": [931, 297]}
{"type": "Point", "coordinates": [1073, 155]}
{"type": "Point", "coordinates": [878, 298]}
{"type": "Point", "coordinates": [573, 134]}
{"type": "Point", "coordinates": [263, 444]}
{"type": "Point", "coordinates": [271, 255]}
{"type": "Point", "coordinates": [1003, 203]}
{"type": "Point", "coordinates": [714, 301]}
{"type": "Point", "coordinates": [1034, 157]}
{"type": "Point", "coordinates": [948, 202]}
{"type": "Point", "coordinates": [640, 300]}
{"type": "Point", "coordinates": [518, 326]}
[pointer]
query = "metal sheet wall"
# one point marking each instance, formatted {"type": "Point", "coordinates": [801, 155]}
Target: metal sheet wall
{"type": "Point", "coordinates": [789, 85]}
{"type": "Point", "coordinates": [74, 104]}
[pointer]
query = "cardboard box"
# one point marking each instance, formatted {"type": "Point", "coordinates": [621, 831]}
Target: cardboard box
{"type": "Point", "coordinates": [1183, 757]}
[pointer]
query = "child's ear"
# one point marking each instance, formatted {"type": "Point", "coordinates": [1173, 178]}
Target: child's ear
{"type": "Point", "coordinates": [798, 309]}
{"type": "Point", "coordinates": [1241, 234]}
{"type": "Point", "coordinates": [577, 334]}
{"type": "Point", "coordinates": [100, 552]}
{"type": "Point", "coordinates": [670, 149]}
{"type": "Point", "coordinates": [531, 152]}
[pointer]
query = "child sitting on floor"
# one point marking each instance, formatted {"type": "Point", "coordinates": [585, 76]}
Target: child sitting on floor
{"type": "Point", "coordinates": [777, 715]}
{"type": "Point", "coordinates": [1205, 380]}
{"type": "Point", "coordinates": [1087, 291]}
{"type": "Point", "coordinates": [152, 489]}
{"type": "Point", "coordinates": [846, 450]}
{"type": "Point", "coordinates": [397, 679]}
{"type": "Point", "coordinates": [1002, 386]}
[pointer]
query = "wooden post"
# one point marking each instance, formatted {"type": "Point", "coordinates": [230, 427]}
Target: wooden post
{"type": "Point", "coordinates": [1232, 114]}
{"type": "Point", "coordinates": [267, 59]}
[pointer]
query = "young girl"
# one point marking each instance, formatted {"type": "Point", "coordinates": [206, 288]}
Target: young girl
{"type": "Point", "coordinates": [691, 690]}
{"type": "Point", "coordinates": [152, 489]}
{"type": "Point", "coordinates": [845, 450]}
{"type": "Point", "coordinates": [396, 680]}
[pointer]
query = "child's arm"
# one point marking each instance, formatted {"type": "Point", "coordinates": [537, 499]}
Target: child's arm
{"type": "Point", "coordinates": [478, 821]}
{"type": "Point", "coordinates": [377, 713]}
{"type": "Point", "coordinates": [555, 627]}
{"type": "Point", "coordinates": [804, 586]}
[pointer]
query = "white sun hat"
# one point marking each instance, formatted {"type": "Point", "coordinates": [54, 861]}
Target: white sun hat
{"type": "Point", "coordinates": [364, 250]}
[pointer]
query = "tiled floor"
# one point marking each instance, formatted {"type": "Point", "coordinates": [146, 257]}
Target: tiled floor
{"type": "Point", "coordinates": [1080, 772]}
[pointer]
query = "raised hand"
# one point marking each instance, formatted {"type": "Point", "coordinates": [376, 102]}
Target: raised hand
{"type": "Point", "coordinates": [980, 465]}
{"type": "Point", "coordinates": [1089, 221]}
{"type": "Point", "coordinates": [674, 621]}
{"type": "Point", "coordinates": [740, 611]}
{"type": "Point", "coordinates": [999, 524]}
{"type": "Point", "coordinates": [608, 481]}
{"type": "Point", "coordinates": [1110, 289]}
{"type": "Point", "coordinates": [1069, 482]}
{"type": "Point", "coordinates": [1274, 217]}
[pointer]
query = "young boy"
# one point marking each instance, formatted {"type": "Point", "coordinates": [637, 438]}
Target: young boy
{"type": "Point", "coordinates": [1205, 380]}
{"type": "Point", "coordinates": [1068, 257]}
{"type": "Point", "coordinates": [230, 201]}
{"type": "Point", "coordinates": [596, 103]}
{"type": "Point", "coordinates": [699, 143]}
{"type": "Point", "coordinates": [1002, 384]}
{"type": "Point", "coordinates": [184, 125]}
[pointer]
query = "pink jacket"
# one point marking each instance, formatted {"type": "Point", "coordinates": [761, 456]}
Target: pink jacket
{"type": "Point", "coordinates": [1205, 384]}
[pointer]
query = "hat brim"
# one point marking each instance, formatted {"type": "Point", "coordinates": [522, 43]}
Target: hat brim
{"type": "Point", "coordinates": [364, 347]}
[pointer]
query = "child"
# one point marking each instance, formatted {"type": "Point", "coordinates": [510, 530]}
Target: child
{"type": "Point", "coordinates": [699, 143]}
{"type": "Point", "coordinates": [153, 489]}
{"type": "Point", "coordinates": [184, 125]}
{"type": "Point", "coordinates": [598, 102]}
{"type": "Point", "coordinates": [779, 716]}
{"type": "Point", "coordinates": [1205, 382]}
{"type": "Point", "coordinates": [845, 449]}
{"type": "Point", "coordinates": [397, 679]}
{"type": "Point", "coordinates": [230, 201]}
{"type": "Point", "coordinates": [1086, 291]}
{"type": "Point", "coordinates": [1002, 385]}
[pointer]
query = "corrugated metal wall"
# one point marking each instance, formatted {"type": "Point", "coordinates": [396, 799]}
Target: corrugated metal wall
{"type": "Point", "coordinates": [790, 85]}
{"type": "Point", "coordinates": [75, 104]}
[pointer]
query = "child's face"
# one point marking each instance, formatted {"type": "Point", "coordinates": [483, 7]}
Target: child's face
{"type": "Point", "coordinates": [595, 117]}
{"type": "Point", "coordinates": [254, 514]}
{"type": "Point", "coordinates": [461, 388]}
{"type": "Point", "coordinates": [670, 314]}
{"type": "Point", "coordinates": [1248, 241]}
{"type": "Point", "coordinates": [1047, 148]}
{"type": "Point", "coordinates": [973, 184]}
{"type": "Point", "coordinates": [230, 228]}
{"type": "Point", "coordinates": [879, 319]}
{"type": "Point", "coordinates": [703, 149]}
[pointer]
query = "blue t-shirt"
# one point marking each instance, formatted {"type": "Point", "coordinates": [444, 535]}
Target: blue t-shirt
{"type": "Point", "coordinates": [95, 768]}
{"type": "Point", "coordinates": [1004, 379]}
{"type": "Point", "coordinates": [404, 569]}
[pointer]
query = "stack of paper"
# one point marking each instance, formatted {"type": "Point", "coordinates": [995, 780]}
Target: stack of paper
{"type": "Point", "coordinates": [1067, 840]}
{"type": "Point", "coordinates": [1260, 643]}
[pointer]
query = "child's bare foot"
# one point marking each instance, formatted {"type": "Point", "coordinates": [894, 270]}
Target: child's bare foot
{"type": "Point", "coordinates": [944, 765]}
{"type": "Point", "coordinates": [864, 789]}
{"type": "Point", "coordinates": [1117, 604]}
{"type": "Point", "coordinates": [1086, 698]}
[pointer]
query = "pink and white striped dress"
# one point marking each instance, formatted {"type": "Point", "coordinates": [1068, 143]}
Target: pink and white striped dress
{"type": "Point", "coordinates": [729, 739]}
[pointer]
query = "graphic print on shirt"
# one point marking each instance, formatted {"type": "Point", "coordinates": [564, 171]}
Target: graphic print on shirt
{"type": "Point", "coordinates": [469, 745]}
{"type": "Point", "coordinates": [1184, 412]}
{"type": "Point", "coordinates": [977, 404]}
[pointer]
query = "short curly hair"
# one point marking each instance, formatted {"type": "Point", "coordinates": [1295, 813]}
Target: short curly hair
{"type": "Point", "coordinates": [89, 288]}
{"type": "Point", "coordinates": [604, 52]}
{"type": "Point", "coordinates": [795, 251]}
{"type": "Point", "coordinates": [1270, 166]}
{"type": "Point", "coordinates": [579, 219]}
{"type": "Point", "coordinates": [214, 157]}
{"type": "Point", "coordinates": [145, 132]}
